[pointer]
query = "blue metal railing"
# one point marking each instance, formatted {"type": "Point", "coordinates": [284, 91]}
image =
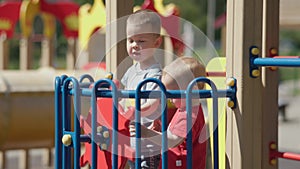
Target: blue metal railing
{"type": "Point", "coordinates": [138, 95]}
{"type": "Point", "coordinates": [255, 61]}
{"type": "Point", "coordinates": [114, 92]}
{"type": "Point", "coordinates": [282, 62]}
{"type": "Point", "coordinates": [58, 119]}
{"type": "Point", "coordinates": [214, 96]}
{"type": "Point", "coordinates": [66, 87]}
{"type": "Point", "coordinates": [66, 122]}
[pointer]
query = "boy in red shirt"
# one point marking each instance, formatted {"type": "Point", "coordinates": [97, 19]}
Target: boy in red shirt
{"type": "Point", "coordinates": [177, 76]}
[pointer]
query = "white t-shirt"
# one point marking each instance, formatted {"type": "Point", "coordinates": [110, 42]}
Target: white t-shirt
{"type": "Point", "coordinates": [133, 76]}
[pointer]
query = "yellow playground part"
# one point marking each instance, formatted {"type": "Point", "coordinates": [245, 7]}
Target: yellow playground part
{"type": "Point", "coordinates": [49, 25]}
{"type": "Point", "coordinates": [218, 64]}
{"type": "Point", "coordinates": [29, 10]}
{"type": "Point", "coordinates": [164, 10]}
{"type": "Point", "coordinates": [90, 19]}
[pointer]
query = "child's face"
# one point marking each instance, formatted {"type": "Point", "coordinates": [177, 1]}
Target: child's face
{"type": "Point", "coordinates": [141, 47]}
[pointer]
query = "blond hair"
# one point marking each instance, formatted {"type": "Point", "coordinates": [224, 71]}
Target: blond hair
{"type": "Point", "coordinates": [183, 70]}
{"type": "Point", "coordinates": [144, 18]}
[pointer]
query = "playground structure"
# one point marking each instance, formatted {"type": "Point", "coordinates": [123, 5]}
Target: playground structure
{"type": "Point", "coordinates": [242, 119]}
{"type": "Point", "coordinates": [252, 126]}
{"type": "Point", "coordinates": [19, 88]}
{"type": "Point", "coordinates": [68, 138]}
{"type": "Point", "coordinates": [25, 12]}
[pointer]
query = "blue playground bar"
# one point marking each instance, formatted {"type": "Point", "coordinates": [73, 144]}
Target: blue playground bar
{"type": "Point", "coordinates": [280, 62]}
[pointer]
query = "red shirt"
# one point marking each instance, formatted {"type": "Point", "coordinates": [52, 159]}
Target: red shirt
{"type": "Point", "coordinates": [177, 155]}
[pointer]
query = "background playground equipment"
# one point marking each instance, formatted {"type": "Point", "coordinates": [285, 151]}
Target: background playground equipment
{"type": "Point", "coordinates": [77, 22]}
{"type": "Point", "coordinates": [9, 17]}
{"type": "Point", "coordinates": [92, 37]}
{"type": "Point", "coordinates": [26, 11]}
{"type": "Point", "coordinates": [63, 95]}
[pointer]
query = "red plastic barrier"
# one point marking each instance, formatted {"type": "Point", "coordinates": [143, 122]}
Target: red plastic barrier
{"type": "Point", "coordinates": [274, 154]}
{"type": "Point", "coordinates": [287, 57]}
{"type": "Point", "coordinates": [9, 15]}
{"type": "Point", "coordinates": [216, 74]}
{"type": "Point", "coordinates": [286, 155]}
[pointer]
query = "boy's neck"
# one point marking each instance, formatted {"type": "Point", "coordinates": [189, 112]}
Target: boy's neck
{"type": "Point", "coordinates": [147, 63]}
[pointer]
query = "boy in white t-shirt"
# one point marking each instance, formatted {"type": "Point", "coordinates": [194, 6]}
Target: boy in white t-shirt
{"type": "Point", "coordinates": [143, 39]}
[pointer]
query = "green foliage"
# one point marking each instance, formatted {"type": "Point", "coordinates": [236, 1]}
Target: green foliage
{"type": "Point", "coordinates": [61, 47]}
{"type": "Point", "coordinates": [289, 45]}
{"type": "Point", "coordinates": [14, 53]}
{"type": "Point", "coordinates": [289, 42]}
{"type": "Point", "coordinates": [82, 2]}
{"type": "Point", "coordinates": [193, 11]}
{"type": "Point", "coordinates": [138, 2]}
{"type": "Point", "coordinates": [14, 50]}
{"type": "Point", "coordinates": [288, 73]}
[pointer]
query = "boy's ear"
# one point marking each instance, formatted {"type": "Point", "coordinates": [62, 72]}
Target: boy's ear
{"type": "Point", "coordinates": [158, 42]}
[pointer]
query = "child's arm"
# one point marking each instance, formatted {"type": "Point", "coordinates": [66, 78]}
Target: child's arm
{"type": "Point", "coordinates": [149, 107]}
{"type": "Point", "coordinates": [155, 136]}
{"type": "Point", "coordinates": [146, 109]}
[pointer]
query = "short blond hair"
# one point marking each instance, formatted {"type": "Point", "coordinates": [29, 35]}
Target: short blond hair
{"type": "Point", "coordinates": [183, 70]}
{"type": "Point", "coordinates": [144, 18]}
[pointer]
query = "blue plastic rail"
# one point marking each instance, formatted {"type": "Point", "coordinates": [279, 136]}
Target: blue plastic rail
{"type": "Point", "coordinates": [281, 62]}
{"type": "Point", "coordinates": [189, 97]}
{"type": "Point", "coordinates": [138, 98]}
{"type": "Point", "coordinates": [255, 61]}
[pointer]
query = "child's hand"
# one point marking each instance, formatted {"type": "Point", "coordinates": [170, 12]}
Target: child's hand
{"type": "Point", "coordinates": [129, 114]}
{"type": "Point", "coordinates": [132, 130]}
{"type": "Point", "coordinates": [144, 130]}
